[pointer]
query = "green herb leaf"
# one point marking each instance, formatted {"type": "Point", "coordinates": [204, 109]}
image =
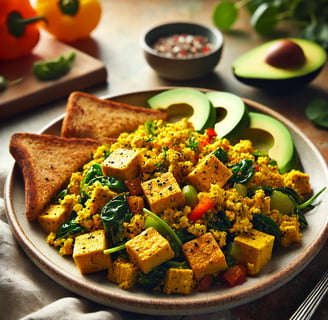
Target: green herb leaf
{"type": "Point", "coordinates": [264, 19]}
{"type": "Point", "coordinates": [192, 143]}
{"type": "Point", "coordinates": [317, 112]}
{"type": "Point", "coordinates": [225, 14]}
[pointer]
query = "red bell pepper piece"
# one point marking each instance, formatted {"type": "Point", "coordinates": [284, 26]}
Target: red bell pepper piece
{"type": "Point", "coordinates": [209, 134]}
{"type": "Point", "coordinates": [201, 208]}
{"type": "Point", "coordinates": [205, 283]}
{"type": "Point", "coordinates": [235, 275]}
{"type": "Point", "coordinates": [134, 186]}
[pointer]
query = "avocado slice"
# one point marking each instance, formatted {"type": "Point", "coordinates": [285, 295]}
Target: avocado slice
{"type": "Point", "coordinates": [185, 102]}
{"type": "Point", "coordinates": [269, 135]}
{"type": "Point", "coordinates": [252, 69]}
{"type": "Point", "coordinates": [231, 114]}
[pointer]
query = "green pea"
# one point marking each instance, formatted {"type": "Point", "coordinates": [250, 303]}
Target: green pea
{"type": "Point", "coordinates": [190, 194]}
{"type": "Point", "coordinates": [3, 83]}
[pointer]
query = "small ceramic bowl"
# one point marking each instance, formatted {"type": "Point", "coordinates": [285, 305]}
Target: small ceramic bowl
{"type": "Point", "coordinates": [187, 68]}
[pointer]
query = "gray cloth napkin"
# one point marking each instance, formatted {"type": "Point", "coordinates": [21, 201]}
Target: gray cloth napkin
{"type": "Point", "coordinates": [27, 293]}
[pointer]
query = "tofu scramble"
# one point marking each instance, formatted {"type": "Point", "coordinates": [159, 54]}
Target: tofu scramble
{"type": "Point", "coordinates": [170, 209]}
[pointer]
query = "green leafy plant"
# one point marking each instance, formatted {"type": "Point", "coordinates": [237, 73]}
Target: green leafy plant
{"type": "Point", "coordinates": [310, 16]}
{"type": "Point", "coordinates": [317, 112]}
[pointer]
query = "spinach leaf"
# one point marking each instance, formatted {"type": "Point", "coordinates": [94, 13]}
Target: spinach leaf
{"type": "Point", "coordinates": [154, 278]}
{"type": "Point", "coordinates": [265, 224]}
{"type": "Point", "coordinates": [267, 191]}
{"type": "Point", "coordinates": [221, 155]}
{"type": "Point", "coordinates": [69, 227]}
{"type": "Point", "coordinates": [93, 172]}
{"type": "Point", "coordinates": [116, 185]}
{"type": "Point", "coordinates": [113, 215]}
{"type": "Point", "coordinates": [242, 171]}
{"type": "Point", "coordinates": [61, 194]}
{"type": "Point", "coordinates": [219, 222]}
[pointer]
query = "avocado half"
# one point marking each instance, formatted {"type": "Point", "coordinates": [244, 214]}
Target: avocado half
{"type": "Point", "coordinates": [269, 135]}
{"type": "Point", "coordinates": [252, 69]}
{"type": "Point", "coordinates": [185, 102]}
{"type": "Point", "coordinates": [231, 114]}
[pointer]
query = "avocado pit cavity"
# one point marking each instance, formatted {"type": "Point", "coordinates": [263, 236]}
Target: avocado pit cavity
{"type": "Point", "coordinates": [285, 54]}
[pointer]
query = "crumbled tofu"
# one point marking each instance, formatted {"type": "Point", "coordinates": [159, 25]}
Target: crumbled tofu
{"type": "Point", "coordinates": [53, 217]}
{"type": "Point", "coordinates": [124, 273]}
{"type": "Point", "coordinates": [163, 192]}
{"type": "Point", "coordinates": [209, 171]}
{"type": "Point", "coordinates": [122, 164]}
{"type": "Point", "coordinates": [88, 252]}
{"type": "Point", "coordinates": [179, 281]}
{"type": "Point", "coordinates": [99, 196]}
{"type": "Point", "coordinates": [299, 181]}
{"type": "Point", "coordinates": [149, 249]}
{"type": "Point", "coordinates": [289, 229]}
{"type": "Point", "coordinates": [253, 249]}
{"type": "Point", "coordinates": [204, 256]}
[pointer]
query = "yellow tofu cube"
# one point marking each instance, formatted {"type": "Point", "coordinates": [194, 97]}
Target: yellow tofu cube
{"type": "Point", "coordinates": [122, 164]}
{"type": "Point", "coordinates": [204, 256]}
{"type": "Point", "coordinates": [163, 192]}
{"type": "Point", "coordinates": [209, 171]}
{"type": "Point", "coordinates": [253, 250]}
{"type": "Point", "coordinates": [149, 249]}
{"type": "Point", "coordinates": [88, 252]}
{"type": "Point", "coordinates": [179, 281]}
{"type": "Point", "coordinates": [53, 217]}
{"type": "Point", "coordinates": [124, 273]}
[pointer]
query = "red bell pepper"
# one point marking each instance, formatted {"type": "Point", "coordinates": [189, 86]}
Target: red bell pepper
{"type": "Point", "coordinates": [209, 134]}
{"type": "Point", "coordinates": [235, 275]}
{"type": "Point", "coordinates": [18, 32]}
{"type": "Point", "coordinates": [201, 208]}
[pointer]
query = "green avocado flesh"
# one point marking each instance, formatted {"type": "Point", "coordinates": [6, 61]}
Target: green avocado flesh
{"type": "Point", "coordinates": [251, 67]}
{"type": "Point", "coordinates": [271, 136]}
{"type": "Point", "coordinates": [231, 114]}
{"type": "Point", "coordinates": [185, 102]}
{"type": "Point", "coordinates": [230, 118]}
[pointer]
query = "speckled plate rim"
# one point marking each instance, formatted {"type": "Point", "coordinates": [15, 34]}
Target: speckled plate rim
{"type": "Point", "coordinates": [280, 270]}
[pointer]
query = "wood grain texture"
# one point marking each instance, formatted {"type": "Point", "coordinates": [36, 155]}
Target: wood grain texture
{"type": "Point", "coordinates": [30, 93]}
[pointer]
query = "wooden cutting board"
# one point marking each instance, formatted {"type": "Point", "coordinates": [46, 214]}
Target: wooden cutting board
{"type": "Point", "coordinates": [31, 93]}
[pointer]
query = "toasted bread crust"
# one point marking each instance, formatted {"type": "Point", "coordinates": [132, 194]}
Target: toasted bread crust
{"type": "Point", "coordinates": [47, 163]}
{"type": "Point", "coordinates": [90, 117]}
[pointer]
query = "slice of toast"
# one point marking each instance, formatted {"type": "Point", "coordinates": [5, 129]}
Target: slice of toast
{"type": "Point", "coordinates": [90, 117]}
{"type": "Point", "coordinates": [47, 163]}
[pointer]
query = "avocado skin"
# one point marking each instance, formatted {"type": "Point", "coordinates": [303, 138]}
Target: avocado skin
{"type": "Point", "coordinates": [281, 85]}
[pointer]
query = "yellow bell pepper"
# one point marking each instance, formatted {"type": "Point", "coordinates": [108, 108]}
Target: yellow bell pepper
{"type": "Point", "coordinates": [69, 20]}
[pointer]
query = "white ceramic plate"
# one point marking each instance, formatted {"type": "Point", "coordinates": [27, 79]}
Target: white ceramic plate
{"type": "Point", "coordinates": [283, 266]}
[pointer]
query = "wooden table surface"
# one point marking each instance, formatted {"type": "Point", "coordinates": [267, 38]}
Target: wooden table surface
{"type": "Point", "coordinates": [116, 43]}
